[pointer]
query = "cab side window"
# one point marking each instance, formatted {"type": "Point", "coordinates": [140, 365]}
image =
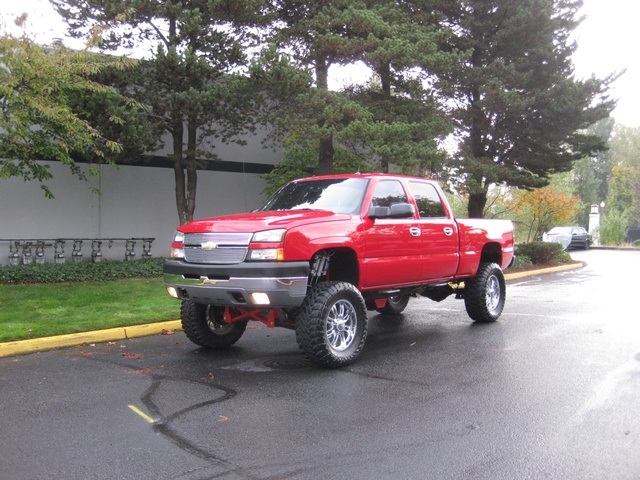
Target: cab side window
{"type": "Point", "coordinates": [427, 199]}
{"type": "Point", "coordinates": [387, 193]}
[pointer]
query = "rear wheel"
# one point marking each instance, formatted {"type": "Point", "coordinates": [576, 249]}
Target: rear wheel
{"type": "Point", "coordinates": [395, 305]}
{"type": "Point", "coordinates": [332, 324]}
{"type": "Point", "coordinates": [484, 294]}
{"type": "Point", "coordinates": [204, 325]}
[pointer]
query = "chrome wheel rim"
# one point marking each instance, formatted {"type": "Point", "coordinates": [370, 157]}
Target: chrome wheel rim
{"type": "Point", "coordinates": [342, 323]}
{"type": "Point", "coordinates": [493, 293]}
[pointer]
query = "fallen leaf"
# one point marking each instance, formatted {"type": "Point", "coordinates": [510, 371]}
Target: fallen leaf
{"type": "Point", "coordinates": [144, 371]}
{"type": "Point", "coordinates": [211, 376]}
{"type": "Point", "coordinates": [222, 418]}
{"type": "Point", "coordinates": [111, 343]}
{"type": "Point", "coordinates": [132, 355]}
{"type": "Point", "coordinates": [166, 331]}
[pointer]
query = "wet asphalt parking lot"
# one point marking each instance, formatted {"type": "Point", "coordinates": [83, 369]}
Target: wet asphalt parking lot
{"type": "Point", "coordinates": [551, 390]}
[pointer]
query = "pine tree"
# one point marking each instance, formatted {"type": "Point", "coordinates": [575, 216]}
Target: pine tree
{"type": "Point", "coordinates": [188, 82]}
{"type": "Point", "coordinates": [394, 119]}
{"type": "Point", "coordinates": [520, 112]}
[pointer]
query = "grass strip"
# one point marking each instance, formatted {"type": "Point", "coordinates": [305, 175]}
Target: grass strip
{"type": "Point", "coordinates": [41, 310]}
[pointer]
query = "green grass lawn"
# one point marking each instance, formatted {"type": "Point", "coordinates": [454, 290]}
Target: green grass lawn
{"type": "Point", "coordinates": [40, 310]}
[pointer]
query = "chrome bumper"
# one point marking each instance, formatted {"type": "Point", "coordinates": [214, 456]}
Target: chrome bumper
{"type": "Point", "coordinates": [264, 285]}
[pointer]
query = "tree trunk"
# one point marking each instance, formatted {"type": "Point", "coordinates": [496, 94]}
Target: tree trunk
{"type": "Point", "coordinates": [192, 167]}
{"type": "Point", "coordinates": [185, 169]}
{"type": "Point", "coordinates": [178, 169]}
{"type": "Point", "coordinates": [325, 156]}
{"type": "Point", "coordinates": [477, 202]}
{"type": "Point", "coordinates": [326, 151]}
{"type": "Point", "coordinates": [384, 70]}
{"type": "Point", "coordinates": [478, 195]}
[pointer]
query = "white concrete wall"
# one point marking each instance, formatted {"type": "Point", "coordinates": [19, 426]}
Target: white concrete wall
{"type": "Point", "coordinates": [135, 201]}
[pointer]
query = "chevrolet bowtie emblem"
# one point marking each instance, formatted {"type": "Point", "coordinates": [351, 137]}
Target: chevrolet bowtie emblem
{"type": "Point", "coordinates": [209, 246]}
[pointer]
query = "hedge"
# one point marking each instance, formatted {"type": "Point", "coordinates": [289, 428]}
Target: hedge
{"type": "Point", "coordinates": [81, 272]}
{"type": "Point", "coordinates": [542, 252]}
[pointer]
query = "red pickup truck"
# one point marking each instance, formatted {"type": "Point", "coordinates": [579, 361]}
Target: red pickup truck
{"type": "Point", "coordinates": [324, 250]}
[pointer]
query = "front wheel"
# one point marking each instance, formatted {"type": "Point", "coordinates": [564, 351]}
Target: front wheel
{"type": "Point", "coordinates": [332, 324]}
{"type": "Point", "coordinates": [204, 325]}
{"type": "Point", "coordinates": [484, 294]}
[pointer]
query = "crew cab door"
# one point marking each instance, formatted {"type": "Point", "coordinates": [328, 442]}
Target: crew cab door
{"type": "Point", "coordinates": [438, 233]}
{"type": "Point", "coordinates": [392, 245]}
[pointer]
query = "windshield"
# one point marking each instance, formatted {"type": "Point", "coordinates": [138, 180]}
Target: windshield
{"type": "Point", "coordinates": [338, 195]}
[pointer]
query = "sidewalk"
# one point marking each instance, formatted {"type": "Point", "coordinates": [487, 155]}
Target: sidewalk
{"type": "Point", "coordinates": [122, 333]}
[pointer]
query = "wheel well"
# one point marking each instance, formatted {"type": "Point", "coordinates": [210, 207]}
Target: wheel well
{"type": "Point", "coordinates": [491, 253]}
{"type": "Point", "coordinates": [337, 264]}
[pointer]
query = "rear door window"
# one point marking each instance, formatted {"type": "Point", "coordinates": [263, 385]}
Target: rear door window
{"type": "Point", "coordinates": [427, 199]}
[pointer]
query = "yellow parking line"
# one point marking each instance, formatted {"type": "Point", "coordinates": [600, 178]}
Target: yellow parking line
{"type": "Point", "coordinates": [142, 414]}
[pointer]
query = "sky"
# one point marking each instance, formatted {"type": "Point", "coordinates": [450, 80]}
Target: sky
{"type": "Point", "coordinates": [606, 39]}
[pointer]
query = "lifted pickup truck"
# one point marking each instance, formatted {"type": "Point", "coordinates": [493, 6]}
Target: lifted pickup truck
{"type": "Point", "coordinates": [324, 250]}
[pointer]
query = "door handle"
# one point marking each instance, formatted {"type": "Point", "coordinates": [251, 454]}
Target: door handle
{"type": "Point", "coordinates": [415, 231]}
{"type": "Point", "coordinates": [448, 231]}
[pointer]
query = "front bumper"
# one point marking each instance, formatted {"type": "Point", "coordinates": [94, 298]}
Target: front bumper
{"type": "Point", "coordinates": [283, 285]}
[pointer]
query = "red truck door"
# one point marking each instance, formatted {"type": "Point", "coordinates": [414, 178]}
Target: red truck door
{"type": "Point", "coordinates": [392, 246]}
{"type": "Point", "coordinates": [438, 233]}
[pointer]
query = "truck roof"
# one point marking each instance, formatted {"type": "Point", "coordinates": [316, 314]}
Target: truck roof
{"type": "Point", "coordinates": [362, 175]}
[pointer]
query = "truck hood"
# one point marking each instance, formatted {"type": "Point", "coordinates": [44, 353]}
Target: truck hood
{"type": "Point", "coordinates": [259, 221]}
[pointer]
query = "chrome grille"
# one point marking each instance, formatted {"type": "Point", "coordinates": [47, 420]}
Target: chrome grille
{"type": "Point", "coordinates": [221, 248]}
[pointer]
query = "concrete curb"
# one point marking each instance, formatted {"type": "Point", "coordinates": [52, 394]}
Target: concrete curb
{"type": "Point", "coordinates": [109, 335]}
{"type": "Point", "coordinates": [19, 347]}
{"type": "Point", "coordinates": [541, 271]}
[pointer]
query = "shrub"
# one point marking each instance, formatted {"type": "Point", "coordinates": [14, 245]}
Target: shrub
{"type": "Point", "coordinates": [81, 272]}
{"type": "Point", "coordinates": [522, 261]}
{"type": "Point", "coordinates": [542, 252]}
{"type": "Point", "coordinates": [613, 228]}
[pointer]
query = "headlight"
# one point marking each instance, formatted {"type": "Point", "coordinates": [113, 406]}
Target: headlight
{"type": "Point", "coordinates": [177, 246]}
{"type": "Point", "coordinates": [267, 246]}
{"type": "Point", "coordinates": [269, 236]}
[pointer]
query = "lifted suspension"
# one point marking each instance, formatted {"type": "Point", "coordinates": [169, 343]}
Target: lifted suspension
{"type": "Point", "coordinates": [268, 316]}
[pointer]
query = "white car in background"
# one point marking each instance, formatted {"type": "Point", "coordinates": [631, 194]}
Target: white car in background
{"type": "Point", "coordinates": [569, 237]}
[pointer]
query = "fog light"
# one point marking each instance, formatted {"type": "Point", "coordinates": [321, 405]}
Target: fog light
{"type": "Point", "coordinates": [260, 299]}
{"type": "Point", "coordinates": [172, 292]}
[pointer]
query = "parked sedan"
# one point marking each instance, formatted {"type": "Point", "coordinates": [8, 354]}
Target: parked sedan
{"type": "Point", "coordinates": [569, 237]}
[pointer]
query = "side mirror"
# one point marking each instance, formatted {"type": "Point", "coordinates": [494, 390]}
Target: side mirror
{"type": "Point", "coordinates": [378, 212]}
{"type": "Point", "coordinates": [397, 210]}
{"type": "Point", "coordinates": [402, 210]}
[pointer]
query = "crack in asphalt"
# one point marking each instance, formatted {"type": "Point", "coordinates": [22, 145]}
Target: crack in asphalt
{"type": "Point", "coordinates": [163, 423]}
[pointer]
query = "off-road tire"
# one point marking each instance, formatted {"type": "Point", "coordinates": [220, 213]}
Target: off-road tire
{"type": "Point", "coordinates": [485, 294]}
{"type": "Point", "coordinates": [395, 305]}
{"type": "Point", "coordinates": [332, 324]}
{"type": "Point", "coordinates": [204, 326]}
